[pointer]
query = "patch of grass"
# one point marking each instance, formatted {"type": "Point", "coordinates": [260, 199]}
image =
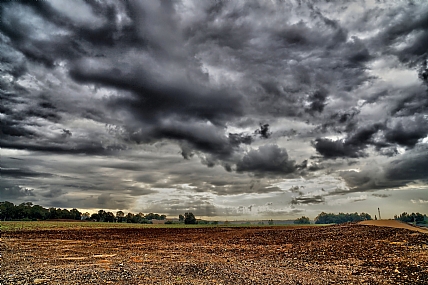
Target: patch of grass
{"type": "Point", "coordinates": [46, 225]}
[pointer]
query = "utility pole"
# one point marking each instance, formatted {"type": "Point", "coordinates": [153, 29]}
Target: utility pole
{"type": "Point", "coordinates": [379, 213]}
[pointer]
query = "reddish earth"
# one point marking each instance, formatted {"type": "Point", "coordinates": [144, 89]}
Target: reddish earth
{"type": "Point", "coordinates": [347, 254]}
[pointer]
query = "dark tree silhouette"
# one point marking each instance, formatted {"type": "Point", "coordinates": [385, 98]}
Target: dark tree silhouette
{"type": "Point", "coordinates": [189, 218]}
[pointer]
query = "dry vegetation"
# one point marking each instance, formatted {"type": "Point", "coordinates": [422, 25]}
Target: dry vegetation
{"type": "Point", "coordinates": [347, 254]}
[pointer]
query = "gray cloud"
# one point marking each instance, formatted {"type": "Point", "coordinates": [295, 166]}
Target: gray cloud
{"type": "Point", "coordinates": [53, 193]}
{"type": "Point", "coordinates": [22, 173]}
{"type": "Point", "coordinates": [10, 191]}
{"type": "Point", "coordinates": [269, 159]}
{"type": "Point", "coordinates": [175, 207]}
{"type": "Point", "coordinates": [317, 199]}
{"type": "Point", "coordinates": [405, 132]}
{"type": "Point", "coordinates": [410, 168]}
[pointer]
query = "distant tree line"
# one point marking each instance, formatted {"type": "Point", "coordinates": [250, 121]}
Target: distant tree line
{"type": "Point", "coordinates": [330, 218]}
{"type": "Point", "coordinates": [27, 212]}
{"type": "Point", "coordinates": [302, 221]}
{"type": "Point", "coordinates": [120, 217]}
{"type": "Point", "coordinates": [410, 218]}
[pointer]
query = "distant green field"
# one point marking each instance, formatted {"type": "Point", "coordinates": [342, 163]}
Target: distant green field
{"type": "Point", "coordinates": [47, 225]}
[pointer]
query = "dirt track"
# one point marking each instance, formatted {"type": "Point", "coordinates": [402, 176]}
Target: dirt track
{"type": "Point", "coordinates": [393, 224]}
{"type": "Point", "coordinates": [351, 254]}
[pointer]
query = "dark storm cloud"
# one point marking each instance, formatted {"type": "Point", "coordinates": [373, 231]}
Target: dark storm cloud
{"type": "Point", "coordinates": [308, 200]}
{"type": "Point", "coordinates": [91, 148]}
{"type": "Point", "coordinates": [263, 131]}
{"type": "Point", "coordinates": [44, 51]}
{"type": "Point", "coordinates": [423, 72]}
{"type": "Point", "coordinates": [268, 159]}
{"type": "Point", "coordinates": [152, 101]}
{"type": "Point", "coordinates": [22, 173]}
{"type": "Point", "coordinates": [233, 189]}
{"type": "Point", "coordinates": [175, 107]}
{"type": "Point", "coordinates": [285, 41]}
{"type": "Point", "coordinates": [13, 128]}
{"type": "Point", "coordinates": [317, 101]}
{"type": "Point", "coordinates": [345, 116]}
{"type": "Point", "coordinates": [414, 101]}
{"type": "Point", "coordinates": [10, 191]}
{"type": "Point", "coordinates": [409, 168]}
{"type": "Point", "coordinates": [338, 148]}
{"type": "Point", "coordinates": [402, 131]}
{"type": "Point", "coordinates": [413, 21]}
{"type": "Point", "coordinates": [407, 131]}
{"type": "Point", "coordinates": [367, 180]}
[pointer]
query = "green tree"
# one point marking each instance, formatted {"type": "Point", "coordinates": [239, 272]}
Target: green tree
{"type": "Point", "coordinates": [95, 217]}
{"type": "Point", "coordinates": [330, 218]}
{"type": "Point", "coordinates": [189, 218]}
{"type": "Point", "coordinates": [53, 213]}
{"type": "Point", "coordinates": [120, 216]}
{"type": "Point", "coordinates": [109, 217]}
{"type": "Point", "coordinates": [409, 218]}
{"type": "Point", "coordinates": [103, 215]}
{"type": "Point", "coordinates": [138, 218]}
{"type": "Point", "coordinates": [86, 216]}
{"type": "Point", "coordinates": [302, 220]}
{"type": "Point", "coordinates": [75, 214]}
{"type": "Point", "coordinates": [7, 211]}
{"type": "Point", "coordinates": [152, 216]}
{"type": "Point", "coordinates": [181, 218]}
{"type": "Point", "coordinates": [39, 213]}
{"type": "Point", "coordinates": [65, 214]}
{"type": "Point", "coordinates": [129, 217]}
{"type": "Point", "coordinates": [23, 211]}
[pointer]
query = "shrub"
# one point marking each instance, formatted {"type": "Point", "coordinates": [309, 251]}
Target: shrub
{"type": "Point", "coordinates": [302, 220]}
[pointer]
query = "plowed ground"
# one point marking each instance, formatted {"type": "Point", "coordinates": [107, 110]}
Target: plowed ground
{"type": "Point", "coordinates": [350, 254]}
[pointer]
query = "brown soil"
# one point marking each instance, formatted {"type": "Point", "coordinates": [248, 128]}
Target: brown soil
{"type": "Point", "coordinates": [393, 224]}
{"type": "Point", "coordinates": [348, 254]}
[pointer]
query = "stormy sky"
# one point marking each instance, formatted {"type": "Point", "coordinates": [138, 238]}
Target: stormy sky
{"type": "Point", "coordinates": [228, 109]}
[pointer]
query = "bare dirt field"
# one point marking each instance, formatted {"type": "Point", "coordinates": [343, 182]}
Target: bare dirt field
{"type": "Point", "coordinates": [347, 254]}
